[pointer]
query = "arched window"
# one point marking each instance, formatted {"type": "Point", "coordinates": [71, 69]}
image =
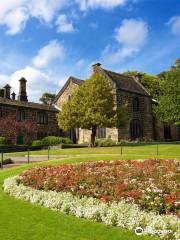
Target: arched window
{"type": "Point", "coordinates": [136, 129]}
{"type": "Point", "coordinates": [135, 104]}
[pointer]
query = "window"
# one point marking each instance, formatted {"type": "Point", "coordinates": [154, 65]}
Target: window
{"type": "Point", "coordinates": [20, 116]}
{"type": "Point", "coordinates": [135, 104]}
{"type": "Point", "coordinates": [42, 118]}
{"type": "Point", "coordinates": [167, 131]}
{"type": "Point", "coordinates": [101, 133]}
{"type": "Point", "coordinates": [3, 113]}
{"type": "Point", "coordinates": [136, 129]}
{"type": "Point", "coordinates": [69, 98]}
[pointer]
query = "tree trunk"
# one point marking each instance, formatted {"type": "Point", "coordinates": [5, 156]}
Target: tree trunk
{"type": "Point", "coordinates": [93, 136]}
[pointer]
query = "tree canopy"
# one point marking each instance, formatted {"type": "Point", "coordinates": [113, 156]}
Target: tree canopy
{"type": "Point", "coordinates": [47, 98]}
{"type": "Point", "coordinates": [152, 83]}
{"type": "Point", "coordinates": [168, 109]}
{"type": "Point", "coordinates": [92, 106]}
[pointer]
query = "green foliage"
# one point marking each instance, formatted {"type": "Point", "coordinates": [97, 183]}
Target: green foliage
{"type": "Point", "coordinates": [105, 142]}
{"type": "Point", "coordinates": [152, 83]}
{"type": "Point", "coordinates": [2, 140]}
{"type": "Point", "coordinates": [47, 98]}
{"type": "Point", "coordinates": [37, 143]}
{"type": "Point", "coordinates": [53, 140]}
{"type": "Point", "coordinates": [92, 105]}
{"type": "Point", "coordinates": [168, 109]}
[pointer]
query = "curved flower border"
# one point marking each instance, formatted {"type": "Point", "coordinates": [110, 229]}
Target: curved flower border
{"type": "Point", "coordinates": [119, 214]}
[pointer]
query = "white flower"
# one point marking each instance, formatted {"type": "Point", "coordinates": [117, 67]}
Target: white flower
{"type": "Point", "coordinates": [122, 214]}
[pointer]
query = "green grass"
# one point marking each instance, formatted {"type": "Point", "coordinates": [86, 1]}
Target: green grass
{"type": "Point", "coordinates": [21, 220]}
{"type": "Point", "coordinates": [150, 150]}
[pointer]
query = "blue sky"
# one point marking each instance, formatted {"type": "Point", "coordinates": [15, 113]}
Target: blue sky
{"type": "Point", "coordinates": [46, 41]}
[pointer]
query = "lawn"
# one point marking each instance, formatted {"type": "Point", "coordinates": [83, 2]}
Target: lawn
{"type": "Point", "coordinates": [140, 150]}
{"type": "Point", "coordinates": [20, 220]}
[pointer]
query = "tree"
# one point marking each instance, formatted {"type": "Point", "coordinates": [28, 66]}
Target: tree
{"type": "Point", "coordinates": [47, 98]}
{"type": "Point", "coordinates": [152, 83]}
{"type": "Point", "coordinates": [13, 128]}
{"type": "Point", "coordinates": [92, 106]}
{"type": "Point", "coordinates": [168, 109]}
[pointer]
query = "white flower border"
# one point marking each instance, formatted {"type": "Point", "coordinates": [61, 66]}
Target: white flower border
{"type": "Point", "coordinates": [120, 214]}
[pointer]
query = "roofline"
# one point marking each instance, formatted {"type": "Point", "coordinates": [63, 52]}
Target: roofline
{"type": "Point", "coordinates": [65, 86]}
{"type": "Point", "coordinates": [20, 104]}
{"type": "Point", "coordinates": [126, 90]}
{"type": "Point", "coordinates": [148, 94]}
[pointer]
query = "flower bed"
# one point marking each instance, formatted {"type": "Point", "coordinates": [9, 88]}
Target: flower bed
{"type": "Point", "coordinates": [152, 184]}
{"type": "Point", "coordinates": [121, 214]}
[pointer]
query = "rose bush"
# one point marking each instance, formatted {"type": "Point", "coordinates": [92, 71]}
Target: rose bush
{"type": "Point", "coordinates": [152, 184]}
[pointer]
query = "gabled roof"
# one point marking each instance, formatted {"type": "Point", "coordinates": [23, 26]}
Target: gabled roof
{"type": "Point", "coordinates": [16, 103]}
{"type": "Point", "coordinates": [126, 83]}
{"type": "Point", "coordinates": [70, 79]}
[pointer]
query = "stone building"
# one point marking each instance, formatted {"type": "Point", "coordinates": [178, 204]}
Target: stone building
{"type": "Point", "coordinates": [43, 116]}
{"type": "Point", "coordinates": [141, 122]}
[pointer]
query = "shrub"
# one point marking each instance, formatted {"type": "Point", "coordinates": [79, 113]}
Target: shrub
{"type": "Point", "coordinates": [53, 140]}
{"type": "Point", "coordinates": [105, 142]}
{"type": "Point", "coordinates": [37, 143]}
{"type": "Point", "coordinates": [2, 140]}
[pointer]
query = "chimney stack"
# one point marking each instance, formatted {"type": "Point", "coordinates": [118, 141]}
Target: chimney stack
{"type": "Point", "coordinates": [22, 90]}
{"type": "Point", "coordinates": [138, 77]}
{"type": "Point", "coordinates": [7, 91]}
{"type": "Point", "coordinates": [95, 67]}
{"type": "Point", "coordinates": [13, 96]}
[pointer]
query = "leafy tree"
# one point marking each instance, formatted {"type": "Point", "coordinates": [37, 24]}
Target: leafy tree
{"type": "Point", "coordinates": [168, 109]}
{"type": "Point", "coordinates": [92, 106]}
{"type": "Point", "coordinates": [47, 98]}
{"type": "Point", "coordinates": [152, 83]}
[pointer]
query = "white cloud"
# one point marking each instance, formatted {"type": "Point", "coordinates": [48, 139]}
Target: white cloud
{"type": "Point", "coordinates": [16, 20]}
{"type": "Point", "coordinates": [130, 36]}
{"type": "Point", "coordinates": [3, 80]}
{"type": "Point", "coordinates": [106, 4]}
{"type": "Point", "coordinates": [54, 50]}
{"type": "Point", "coordinates": [63, 25]}
{"type": "Point", "coordinates": [132, 32]}
{"type": "Point", "coordinates": [34, 78]}
{"type": "Point", "coordinates": [15, 13]}
{"type": "Point", "coordinates": [174, 23]}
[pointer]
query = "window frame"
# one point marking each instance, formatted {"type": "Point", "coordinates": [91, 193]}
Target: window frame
{"type": "Point", "coordinates": [42, 118]}
{"type": "Point", "coordinates": [20, 115]}
{"type": "Point", "coordinates": [101, 133]}
{"type": "Point", "coordinates": [135, 104]}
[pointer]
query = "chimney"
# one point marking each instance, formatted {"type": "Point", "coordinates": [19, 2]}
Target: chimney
{"type": "Point", "coordinates": [13, 96]}
{"type": "Point", "coordinates": [95, 67]}
{"type": "Point", "coordinates": [22, 90]}
{"type": "Point", "coordinates": [138, 77]}
{"type": "Point", "coordinates": [7, 91]}
{"type": "Point", "coordinates": [2, 93]}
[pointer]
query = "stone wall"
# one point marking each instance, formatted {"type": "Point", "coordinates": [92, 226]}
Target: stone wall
{"type": "Point", "coordinates": [66, 94]}
{"type": "Point", "coordinates": [144, 114]}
